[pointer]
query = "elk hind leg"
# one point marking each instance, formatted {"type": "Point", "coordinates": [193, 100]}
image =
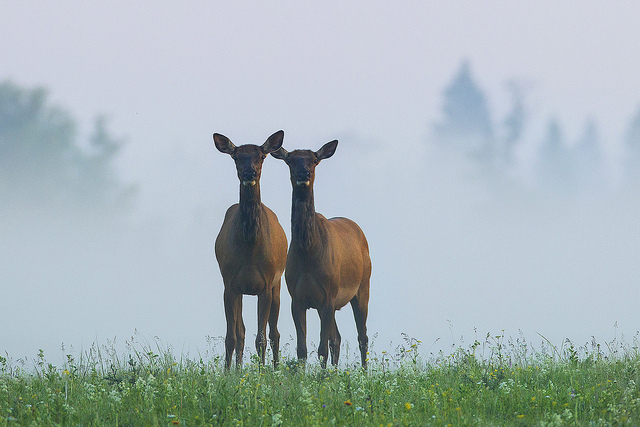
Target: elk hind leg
{"type": "Point", "coordinates": [360, 311]}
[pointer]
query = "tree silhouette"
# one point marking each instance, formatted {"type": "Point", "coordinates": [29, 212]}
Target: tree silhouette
{"type": "Point", "coordinates": [514, 122]}
{"type": "Point", "coordinates": [589, 162]}
{"type": "Point", "coordinates": [42, 166]}
{"type": "Point", "coordinates": [100, 186]}
{"type": "Point", "coordinates": [631, 165]}
{"type": "Point", "coordinates": [555, 170]}
{"type": "Point", "coordinates": [466, 122]}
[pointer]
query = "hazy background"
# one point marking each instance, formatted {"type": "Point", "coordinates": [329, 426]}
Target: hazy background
{"type": "Point", "coordinates": [488, 150]}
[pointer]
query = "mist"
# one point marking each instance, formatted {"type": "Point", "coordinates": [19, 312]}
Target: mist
{"type": "Point", "coordinates": [455, 256]}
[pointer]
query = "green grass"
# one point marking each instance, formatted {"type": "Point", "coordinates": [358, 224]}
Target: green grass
{"type": "Point", "coordinates": [488, 383]}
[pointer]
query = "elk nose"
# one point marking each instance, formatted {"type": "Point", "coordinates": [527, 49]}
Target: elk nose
{"type": "Point", "coordinates": [249, 175]}
{"type": "Point", "coordinates": [304, 175]}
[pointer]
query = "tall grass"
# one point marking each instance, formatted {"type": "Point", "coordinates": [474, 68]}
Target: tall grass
{"type": "Point", "coordinates": [494, 382]}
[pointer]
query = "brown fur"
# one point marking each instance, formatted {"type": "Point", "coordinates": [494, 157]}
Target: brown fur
{"type": "Point", "coordinates": [251, 250]}
{"type": "Point", "coordinates": [328, 263]}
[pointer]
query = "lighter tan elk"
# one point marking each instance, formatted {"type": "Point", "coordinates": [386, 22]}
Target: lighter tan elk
{"type": "Point", "coordinates": [251, 250]}
{"type": "Point", "coordinates": [328, 263]}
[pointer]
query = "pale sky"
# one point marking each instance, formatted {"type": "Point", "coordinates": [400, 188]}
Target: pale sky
{"type": "Point", "coordinates": [170, 75]}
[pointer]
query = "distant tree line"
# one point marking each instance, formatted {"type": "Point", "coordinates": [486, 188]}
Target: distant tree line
{"type": "Point", "coordinates": [45, 167]}
{"type": "Point", "coordinates": [468, 128]}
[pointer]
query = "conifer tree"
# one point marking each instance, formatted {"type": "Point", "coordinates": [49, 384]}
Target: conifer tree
{"type": "Point", "coordinates": [466, 123]}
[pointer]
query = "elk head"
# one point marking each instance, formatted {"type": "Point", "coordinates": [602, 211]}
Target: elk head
{"type": "Point", "coordinates": [249, 158]}
{"type": "Point", "coordinates": [302, 163]}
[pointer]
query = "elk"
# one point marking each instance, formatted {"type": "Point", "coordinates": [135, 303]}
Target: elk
{"type": "Point", "coordinates": [251, 250]}
{"type": "Point", "coordinates": [328, 263]}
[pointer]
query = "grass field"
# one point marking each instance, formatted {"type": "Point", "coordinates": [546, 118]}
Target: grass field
{"type": "Point", "coordinates": [496, 382]}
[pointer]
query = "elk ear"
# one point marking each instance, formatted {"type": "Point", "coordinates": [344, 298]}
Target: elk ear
{"type": "Point", "coordinates": [280, 153]}
{"type": "Point", "coordinates": [223, 144]}
{"type": "Point", "coordinates": [327, 150]}
{"type": "Point", "coordinates": [273, 142]}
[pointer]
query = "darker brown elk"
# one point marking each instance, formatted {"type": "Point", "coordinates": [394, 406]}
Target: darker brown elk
{"type": "Point", "coordinates": [251, 250]}
{"type": "Point", "coordinates": [328, 263]}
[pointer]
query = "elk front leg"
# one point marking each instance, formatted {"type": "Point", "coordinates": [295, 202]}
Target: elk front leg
{"type": "Point", "coordinates": [327, 331]}
{"type": "Point", "coordinates": [300, 320]}
{"type": "Point", "coordinates": [334, 343]}
{"type": "Point", "coordinates": [231, 314]}
{"type": "Point", "coordinates": [264, 307]}
{"type": "Point", "coordinates": [240, 331]}
{"type": "Point", "coordinates": [274, 335]}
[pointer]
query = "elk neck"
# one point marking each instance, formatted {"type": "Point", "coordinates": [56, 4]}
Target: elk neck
{"type": "Point", "coordinates": [250, 210]}
{"type": "Point", "coordinates": [303, 218]}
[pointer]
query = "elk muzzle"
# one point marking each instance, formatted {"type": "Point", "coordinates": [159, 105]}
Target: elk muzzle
{"type": "Point", "coordinates": [249, 178]}
{"type": "Point", "coordinates": [303, 178]}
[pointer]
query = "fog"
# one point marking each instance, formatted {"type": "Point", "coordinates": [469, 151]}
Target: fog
{"type": "Point", "coordinates": [461, 246]}
{"type": "Point", "coordinates": [452, 259]}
